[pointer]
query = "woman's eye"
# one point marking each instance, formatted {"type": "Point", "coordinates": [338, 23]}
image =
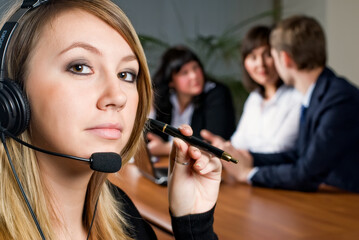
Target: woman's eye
{"type": "Point", "coordinates": [183, 73]}
{"type": "Point", "coordinates": [252, 56]}
{"type": "Point", "coordinates": [127, 76]}
{"type": "Point", "coordinates": [195, 67]}
{"type": "Point", "coordinates": [267, 54]}
{"type": "Point", "coordinates": [80, 69]}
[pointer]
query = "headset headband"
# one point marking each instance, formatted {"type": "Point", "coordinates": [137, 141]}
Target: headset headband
{"type": "Point", "coordinates": [9, 27]}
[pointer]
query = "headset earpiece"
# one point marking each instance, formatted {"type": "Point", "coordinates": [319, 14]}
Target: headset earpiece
{"type": "Point", "coordinates": [14, 107]}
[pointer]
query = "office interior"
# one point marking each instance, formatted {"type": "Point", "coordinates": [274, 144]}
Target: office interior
{"type": "Point", "coordinates": [245, 212]}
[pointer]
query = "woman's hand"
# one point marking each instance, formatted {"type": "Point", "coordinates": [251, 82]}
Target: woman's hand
{"type": "Point", "coordinates": [194, 178]}
{"type": "Point", "coordinates": [213, 139]}
{"type": "Point", "coordinates": [157, 146]}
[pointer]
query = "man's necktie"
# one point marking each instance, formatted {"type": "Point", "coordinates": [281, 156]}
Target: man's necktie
{"type": "Point", "coordinates": [303, 112]}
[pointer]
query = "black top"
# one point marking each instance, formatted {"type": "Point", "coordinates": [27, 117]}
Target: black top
{"type": "Point", "coordinates": [196, 226]}
{"type": "Point", "coordinates": [213, 110]}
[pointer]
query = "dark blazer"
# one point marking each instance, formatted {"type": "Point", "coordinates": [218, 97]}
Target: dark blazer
{"type": "Point", "coordinates": [327, 150]}
{"type": "Point", "coordinates": [213, 111]}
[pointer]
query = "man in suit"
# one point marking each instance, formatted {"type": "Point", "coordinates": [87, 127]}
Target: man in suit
{"type": "Point", "coordinates": [327, 150]}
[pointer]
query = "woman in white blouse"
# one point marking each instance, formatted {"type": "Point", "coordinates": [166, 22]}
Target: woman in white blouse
{"type": "Point", "coordinates": [270, 119]}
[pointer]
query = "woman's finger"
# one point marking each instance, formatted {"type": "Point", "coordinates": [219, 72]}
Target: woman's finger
{"type": "Point", "coordinates": [204, 162]}
{"type": "Point", "coordinates": [186, 130]}
{"type": "Point", "coordinates": [178, 155]}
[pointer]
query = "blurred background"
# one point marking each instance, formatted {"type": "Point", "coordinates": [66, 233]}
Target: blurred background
{"type": "Point", "coordinates": [214, 29]}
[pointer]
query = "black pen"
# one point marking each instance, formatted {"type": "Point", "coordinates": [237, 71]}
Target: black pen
{"type": "Point", "coordinates": [174, 132]}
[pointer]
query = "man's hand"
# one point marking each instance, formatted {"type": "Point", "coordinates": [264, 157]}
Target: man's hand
{"type": "Point", "coordinates": [239, 171]}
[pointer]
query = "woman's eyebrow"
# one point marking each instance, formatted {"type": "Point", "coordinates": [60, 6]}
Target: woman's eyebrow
{"type": "Point", "coordinates": [82, 45]}
{"type": "Point", "coordinates": [129, 58]}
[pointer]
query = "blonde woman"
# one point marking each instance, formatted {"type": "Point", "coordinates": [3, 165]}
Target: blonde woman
{"type": "Point", "coordinates": [81, 67]}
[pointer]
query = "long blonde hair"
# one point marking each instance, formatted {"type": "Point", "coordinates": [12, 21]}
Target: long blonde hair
{"type": "Point", "coordinates": [15, 219]}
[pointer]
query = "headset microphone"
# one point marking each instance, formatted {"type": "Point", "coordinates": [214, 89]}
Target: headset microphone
{"type": "Point", "coordinates": [107, 162]}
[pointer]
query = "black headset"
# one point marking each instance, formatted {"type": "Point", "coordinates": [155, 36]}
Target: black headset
{"type": "Point", "coordinates": [14, 106]}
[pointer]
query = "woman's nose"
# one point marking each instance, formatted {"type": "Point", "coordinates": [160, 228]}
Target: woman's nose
{"type": "Point", "coordinates": [113, 95]}
{"type": "Point", "coordinates": [260, 61]}
{"type": "Point", "coordinates": [192, 74]}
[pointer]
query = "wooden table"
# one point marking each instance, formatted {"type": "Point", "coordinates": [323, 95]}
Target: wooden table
{"type": "Point", "coordinates": [245, 212]}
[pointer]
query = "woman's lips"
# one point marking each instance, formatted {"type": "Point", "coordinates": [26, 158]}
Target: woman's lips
{"type": "Point", "coordinates": [262, 72]}
{"type": "Point", "coordinates": [106, 131]}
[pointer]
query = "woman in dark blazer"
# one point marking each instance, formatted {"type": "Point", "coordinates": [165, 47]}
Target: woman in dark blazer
{"type": "Point", "coordinates": [184, 94]}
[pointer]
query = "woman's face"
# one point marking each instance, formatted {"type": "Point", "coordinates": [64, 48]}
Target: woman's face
{"type": "Point", "coordinates": [189, 80]}
{"type": "Point", "coordinates": [81, 86]}
{"type": "Point", "coordinates": [260, 66]}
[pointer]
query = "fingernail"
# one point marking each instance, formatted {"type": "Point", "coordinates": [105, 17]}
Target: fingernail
{"type": "Point", "coordinates": [198, 165]}
{"type": "Point", "coordinates": [185, 127]}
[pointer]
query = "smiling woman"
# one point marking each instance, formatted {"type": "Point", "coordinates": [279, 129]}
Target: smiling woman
{"type": "Point", "coordinates": [85, 77]}
{"type": "Point", "coordinates": [270, 118]}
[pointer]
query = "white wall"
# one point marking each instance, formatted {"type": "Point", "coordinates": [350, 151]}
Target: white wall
{"type": "Point", "coordinates": [314, 8]}
{"type": "Point", "coordinates": [177, 21]}
{"type": "Point", "coordinates": [343, 37]}
{"type": "Point", "coordinates": [340, 21]}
